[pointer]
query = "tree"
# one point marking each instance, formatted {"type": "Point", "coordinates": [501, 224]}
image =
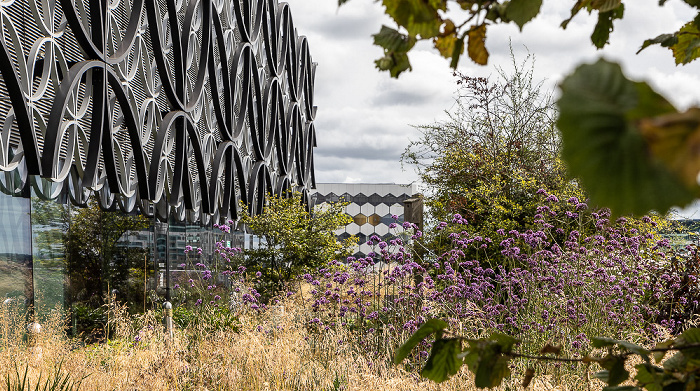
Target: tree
{"type": "Point", "coordinates": [498, 146]}
{"type": "Point", "coordinates": [606, 121]}
{"type": "Point", "coordinates": [293, 241]}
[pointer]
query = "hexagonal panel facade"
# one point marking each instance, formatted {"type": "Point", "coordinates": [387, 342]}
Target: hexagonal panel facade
{"type": "Point", "coordinates": [360, 219]}
{"type": "Point", "coordinates": [352, 209]}
{"type": "Point", "coordinates": [371, 207]}
{"type": "Point", "coordinates": [382, 209]}
{"type": "Point", "coordinates": [367, 209]}
{"type": "Point", "coordinates": [374, 220]}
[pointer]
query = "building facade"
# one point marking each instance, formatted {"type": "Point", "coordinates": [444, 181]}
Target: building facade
{"type": "Point", "coordinates": [159, 116]}
{"type": "Point", "coordinates": [371, 206]}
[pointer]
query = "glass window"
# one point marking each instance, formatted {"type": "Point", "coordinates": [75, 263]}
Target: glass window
{"type": "Point", "coordinates": [15, 249]}
{"type": "Point", "coordinates": [50, 221]}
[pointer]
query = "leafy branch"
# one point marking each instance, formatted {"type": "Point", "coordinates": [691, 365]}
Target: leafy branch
{"type": "Point", "coordinates": [489, 358]}
{"type": "Point", "coordinates": [449, 23]}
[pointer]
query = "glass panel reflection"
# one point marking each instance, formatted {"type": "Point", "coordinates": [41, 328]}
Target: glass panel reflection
{"type": "Point", "coordinates": [15, 250]}
{"type": "Point", "coordinates": [49, 224]}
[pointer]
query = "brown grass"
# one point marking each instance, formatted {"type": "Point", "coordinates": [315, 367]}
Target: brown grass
{"type": "Point", "coordinates": [284, 356]}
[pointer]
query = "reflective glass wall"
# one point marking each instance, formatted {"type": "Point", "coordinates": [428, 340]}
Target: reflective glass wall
{"type": "Point", "coordinates": [58, 257]}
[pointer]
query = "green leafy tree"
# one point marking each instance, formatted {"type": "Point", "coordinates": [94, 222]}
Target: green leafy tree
{"type": "Point", "coordinates": [498, 146]}
{"type": "Point", "coordinates": [293, 241]}
{"type": "Point", "coordinates": [488, 160]}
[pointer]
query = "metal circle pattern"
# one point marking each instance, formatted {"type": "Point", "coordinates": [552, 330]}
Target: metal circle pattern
{"type": "Point", "coordinates": [175, 108]}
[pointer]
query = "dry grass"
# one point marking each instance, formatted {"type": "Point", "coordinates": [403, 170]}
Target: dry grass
{"type": "Point", "coordinates": [284, 356]}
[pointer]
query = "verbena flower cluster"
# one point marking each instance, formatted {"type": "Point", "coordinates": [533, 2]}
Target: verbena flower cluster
{"type": "Point", "coordinates": [215, 284]}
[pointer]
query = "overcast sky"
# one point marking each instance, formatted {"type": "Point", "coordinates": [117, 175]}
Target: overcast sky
{"type": "Point", "coordinates": [364, 117]}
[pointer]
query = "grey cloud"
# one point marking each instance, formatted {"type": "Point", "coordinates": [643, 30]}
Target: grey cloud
{"type": "Point", "coordinates": [360, 151]}
{"type": "Point", "coordinates": [341, 27]}
{"type": "Point", "coordinates": [401, 98]}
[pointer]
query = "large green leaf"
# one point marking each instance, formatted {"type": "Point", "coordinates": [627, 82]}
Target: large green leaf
{"type": "Point", "coordinates": [616, 372]}
{"type": "Point", "coordinates": [430, 327]}
{"type": "Point", "coordinates": [665, 40]}
{"type": "Point", "coordinates": [677, 362]}
{"type": "Point", "coordinates": [394, 62]}
{"type": "Point", "coordinates": [687, 48]}
{"type": "Point", "coordinates": [658, 356]}
{"type": "Point", "coordinates": [523, 11]}
{"type": "Point", "coordinates": [598, 114]}
{"type": "Point", "coordinates": [504, 342]}
{"type": "Point", "coordinates": [392, 40]}
{"type": "Point", "coordinates": [689, 337]}
{"type": "Point", "coordinates": [457, 53]}
{"type": "Point", "coordinates": [491, 367]}
{"type": "Point", "coordinates": [575, 10]}
{"type": "Point", "coordinates": [602, 30]}
{"type": "Point", "coordinates": [418, 17]}
{"type": "Point", "coordinates": [444, 360]}
{"type": "Point", "coordinates": [649, 376]}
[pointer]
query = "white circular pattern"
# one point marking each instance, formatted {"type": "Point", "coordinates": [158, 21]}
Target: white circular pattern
{"type": "Point", "coordinates": [191, 105]}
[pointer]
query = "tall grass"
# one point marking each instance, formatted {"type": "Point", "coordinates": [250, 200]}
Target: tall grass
{"type": "Point", "coordinates": [271, 350]}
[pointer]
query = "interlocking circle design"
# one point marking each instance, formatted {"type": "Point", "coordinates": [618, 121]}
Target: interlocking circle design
{"type": "Point", "coordinates": [178, 108]}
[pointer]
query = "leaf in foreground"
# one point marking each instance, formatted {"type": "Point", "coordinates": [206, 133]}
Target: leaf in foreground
{"type": "Point", "coordinates": [444, 360]}
{"type": "Point", "coordinates": [599, 114]}
{"type": "Point", "coordinates": [429, 327]}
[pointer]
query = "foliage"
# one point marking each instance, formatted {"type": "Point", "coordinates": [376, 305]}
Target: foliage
{"type": "Point", "coordinates": [575, 272]}
{"type": "Point", "coordinates": [606, 121]}
{"type": "Point", "coordinates": [448, 23]}
{"type": "Point", "coordinates": [57, 381]}
{"type": "Point", "coordinates": [209, 320]}
{"type": "Point", "coordinates": [489, 359]}
{"type": "Point", "coordinates": [293, 241]}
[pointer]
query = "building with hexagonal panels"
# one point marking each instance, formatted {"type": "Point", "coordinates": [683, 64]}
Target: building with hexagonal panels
{"type": "Point", "coordinates": [371, 206]}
